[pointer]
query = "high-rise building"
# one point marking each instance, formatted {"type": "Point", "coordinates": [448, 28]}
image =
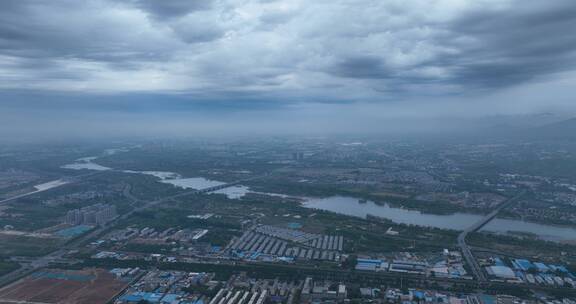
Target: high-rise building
{"type": "Point", "coordinates": [97, 214]}
{"type": "Point", "coordinates": [297, 155]}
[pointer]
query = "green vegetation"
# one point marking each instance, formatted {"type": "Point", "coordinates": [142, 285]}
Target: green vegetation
{"type": "Point", "coordinates": [148, 248]}
{"type": "Point", "coordinates": [27, 246]}
{"type": "Point", "coordinates": [325, 190]}
{"type": "Point", "coordinates": [7, 266]}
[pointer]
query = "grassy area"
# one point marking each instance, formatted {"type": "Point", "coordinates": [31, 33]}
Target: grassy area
{"type": "Point", "coordinates": [26, 246]}
{"type": "Point", "coordinates": [6, 266]}
{"type": "Point", "coordinates": [385, 195]}
{"type": "Point", "coordinates": [327, 190]}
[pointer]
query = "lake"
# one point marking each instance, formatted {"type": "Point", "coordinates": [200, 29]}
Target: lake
{"type": "Point", "coordinates": [86, 163]}
{"type": "Point", "coordinates": [177, 180]}
{"type": "Point", "coordinates": [172, 178]}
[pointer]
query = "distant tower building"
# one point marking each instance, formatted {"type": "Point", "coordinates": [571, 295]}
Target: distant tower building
{"type": "Point", "coordinates": [297, 156]}
{"type": "Point", "coordinates": [97, 214]}
{"type": "Point", "coordinates": [88, 217]}
{"type": "Point", "coordinates": [73, 217]}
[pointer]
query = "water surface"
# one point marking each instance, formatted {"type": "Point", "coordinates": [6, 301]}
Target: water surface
{"type": "Point", "coordinates": [197, 183]}
{"type": "Point", "coordinates": [457, 221]}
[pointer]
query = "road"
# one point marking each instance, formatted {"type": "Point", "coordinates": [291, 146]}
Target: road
{"type": "Point", "coordinates": [468, 256]}
{"type": "Point", "coordinates": [66, 181]}
{"type": "Point", "coordinates": [4, 201]}
{"type": "Point", "coordinates": [44, 261]}
{"type": "Point", "coordinates": [289, 271]}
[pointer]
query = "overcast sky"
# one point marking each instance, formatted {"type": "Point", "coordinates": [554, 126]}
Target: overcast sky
{"type": "Point", "coordinates": [78, 66]}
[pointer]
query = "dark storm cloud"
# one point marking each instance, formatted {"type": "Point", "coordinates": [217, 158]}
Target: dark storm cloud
{"type": "Point", "coordinates": [362, 67]}
{"type": "Point", "coordinates": [197, 29]}
{"type": "Point", "coordinates": [15, 34]}
{"type": "Point", "coordinates": [171, 8]}
{"type": "Point", "coordinates": [193, 36]}
{"type": "Point", "coordinates": [284, 50]}
{"type": "Point", "coordinates": [74, 30]}
{"type": "Point", "coordinates": [514, 46]}
{"type": "Point", "coordinates": [493, 49]}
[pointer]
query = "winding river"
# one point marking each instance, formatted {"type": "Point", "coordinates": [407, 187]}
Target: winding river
{"type": "Point", "coordinates": [457, 221]}
{"type": "Point", "coordinates": [353, 207]}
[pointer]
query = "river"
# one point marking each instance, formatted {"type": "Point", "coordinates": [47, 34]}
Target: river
{"type": "Point", "coordinates": [175, 179]}
{"type": "Point", "coordinates": [456, 221]}
{"type": "Point", "coordinates": [352, 206]}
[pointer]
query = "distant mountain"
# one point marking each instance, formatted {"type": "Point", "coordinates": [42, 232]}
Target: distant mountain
{"type": "Point", "coordinates": [507, 126]}
{"type": "Point", "coordinates": [565, 129]}
{"type": "Point", "coordinates": [544, 127]}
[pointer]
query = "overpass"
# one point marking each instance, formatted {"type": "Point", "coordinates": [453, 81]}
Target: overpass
{"type": "Point", "coordinates": [228, 185]}
{"type": "Point", "coordinates": [466, 252]}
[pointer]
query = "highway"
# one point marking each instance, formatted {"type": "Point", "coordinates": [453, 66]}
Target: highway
{"type": "Point", "coordinates": [65, 181]}
{"type": "Point", "coordinates": [468, 256]}
{"type": "Point", "coordinates": [7, 200]}
{"type": "Point", "coordinates": [44, 261]}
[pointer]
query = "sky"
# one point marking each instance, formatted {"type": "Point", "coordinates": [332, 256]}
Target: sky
{"type": "Point", "coordinates": [110, 67]}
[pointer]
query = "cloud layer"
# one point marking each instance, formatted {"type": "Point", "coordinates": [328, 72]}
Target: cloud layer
{"type": "Point", "coordinates": [284, 50]}
{"type": "Point", "coordinates": [192, 67]}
